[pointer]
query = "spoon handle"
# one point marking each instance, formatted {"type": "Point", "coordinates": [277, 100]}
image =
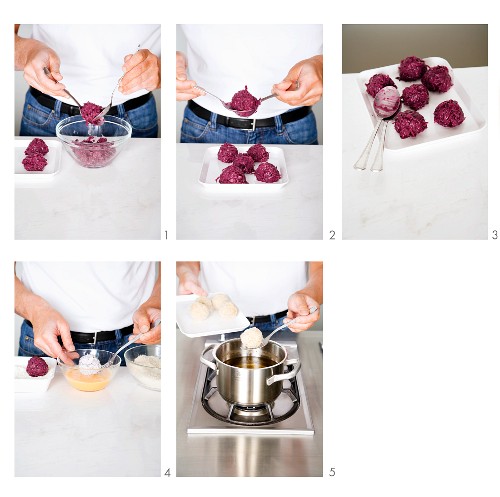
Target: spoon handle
{"type": "Point", "coordinates": [363, 158]}
{"type": "Point", "coordinates": [49, 75]}
{"type": "Point", "coordinates": [312, 310]}
{"type": "Point", "coordinates": [267, 98]}
{"type": "Point", "coordinates": [378, 162]}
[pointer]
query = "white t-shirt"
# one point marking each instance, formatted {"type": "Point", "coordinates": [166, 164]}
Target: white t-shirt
{"type": "Point", "coordinates": [92, 56]}
{"type": "Point", "coordinates": [91, 296]}
{"type": "Point", "coordinates": [224, 59]}
{"type": "Point", "coordinates": [257, 288]}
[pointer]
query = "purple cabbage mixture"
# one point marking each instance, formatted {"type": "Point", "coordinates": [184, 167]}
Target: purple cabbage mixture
{"type": "Point", "coordinates": [90, 111]}
{"type": "Point", "coordinates": [93, 152]}
{"type": "Point", "coordinates": [437, 79]}
{"type": "Point", "coordinates": [267, 173]}
{"type": "Point", "coordinates": [245, 163]}
{"type": "Point", "coordinates": [411, 69]}
{"type": "Point", "coordinates": [377, 82]}
{"type": "Point", "coordinates": [37, 146]}
{"type": "Point", "coordinates": [449, 114]}
{"type": "Point", "coordinates": [35, 151]}
{"type": "Point", "coordinates": [37, 367]}
{"type": "Point", "coordinates": [232, 175]}
{"type": "Point", "coordinates": [227, 153]}
{"type": "Point", "coordinates": [409, 124]}
{"type": "Point", "coordinates": [35, 162]}
{"type": "Point", "coordinates": [244, 101]}
{"type": "Point", "coordinates": [416, 96]}
{"type": "Point", "coordinates": [258, 153]}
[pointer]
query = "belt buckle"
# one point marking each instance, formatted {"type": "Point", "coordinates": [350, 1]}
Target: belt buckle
{"type": "Point", "coordinates": [254, 122]}
{"type": "Point", "coordinates": [95, 337]}
{"type": "Point", "coordinates": [253, 321]}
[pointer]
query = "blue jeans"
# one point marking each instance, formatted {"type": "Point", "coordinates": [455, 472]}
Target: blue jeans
{"type": "Point", "coordinates": [197, 130]}
{"type": "Point", "coordinates": [39, 120]}
{"type": "Point", "coordinates": [27, 347]}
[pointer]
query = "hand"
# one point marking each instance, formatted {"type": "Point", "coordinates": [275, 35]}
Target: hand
{"type": "Point", "coordinates": [48, 324]}
{"type": "Point", "coordinates": [303, 85]}
{"type": "Point", "coordinates": [38, 56]}
{"type": "Point", "coordinates": [142, 71]}
{"type": "Point", "coordinates": [146, 314]}
{"type": "Point", "coordinates": [299, 304]}
{"type": "Point", "coordinates": [189, 284]}
{"type": "Point", "coordinates": [183, 85]}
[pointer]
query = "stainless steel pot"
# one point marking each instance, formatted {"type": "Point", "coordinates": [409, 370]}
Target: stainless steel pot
{"type": "Point", "coordinates": [261, 377]}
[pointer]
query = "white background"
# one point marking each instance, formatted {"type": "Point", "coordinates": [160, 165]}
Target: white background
{"type": "Point", "coordinates": [411, 361]}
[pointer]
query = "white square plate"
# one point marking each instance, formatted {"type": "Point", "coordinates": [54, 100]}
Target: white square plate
{"type": "Point", "coordinates": [53, 157]}
{"type": "Point", "coordinates": [212, 168]}
{"type": "Point", "coordinates": [37, 384]}
{"type": "Point", "coordinates": [213, 325]}
{"type": "Point", "coordinates": [474, 121]}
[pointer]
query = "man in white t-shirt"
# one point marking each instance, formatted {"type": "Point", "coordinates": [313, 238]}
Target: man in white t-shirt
{"type": "Point", "coordinates": [267, 293]}
{"type": "Point", "coordinates": [88, 61]}
{"type": "Point", "coordinates": [81, 305]}
{"type": "Point", "coordinates": [285, 60]}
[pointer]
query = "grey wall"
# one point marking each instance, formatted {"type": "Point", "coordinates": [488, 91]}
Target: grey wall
{"type": "Point", "coordinates": [181, 46]}
{"type": "Point", "coordinates": [20, 88]}
{"type": "Point", "coordinates": [368, 46]}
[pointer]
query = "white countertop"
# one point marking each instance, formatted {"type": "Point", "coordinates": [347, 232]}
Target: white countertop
{"type": "Point", "coordinates": [436, 191]}
{"type": "Point", "coordinates": [117, 202]}
{"type": "Point", "coordinates": [55, 431]}
{"type": "Point", "coordinates": [295, 212]}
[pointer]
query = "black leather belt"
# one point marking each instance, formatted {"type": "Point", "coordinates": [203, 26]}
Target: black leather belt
{"type": "Point", "coordinates": [73, 110]}
{"type": "Point", "coordinates": [266, 319]}
{"type": "Point", "coordinates": [234, 122]}
{"type": "Point", "coordinates": [102, 336]}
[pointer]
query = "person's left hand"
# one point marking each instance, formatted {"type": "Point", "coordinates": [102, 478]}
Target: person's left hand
{"type": "Point", "coordinates": [142, 70]}
{"type": "Point", "coordinates": [146, 314]}
{"type": "Point", "coordinates": [299, 304]}
{"type": "Point", "coordinates": [303, 85]}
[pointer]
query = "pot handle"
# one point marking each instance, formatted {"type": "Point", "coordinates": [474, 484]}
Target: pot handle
{"type": "Point", "coordinates": [286, 376]}
{"type": "Point", "coordinates": [210, 364]}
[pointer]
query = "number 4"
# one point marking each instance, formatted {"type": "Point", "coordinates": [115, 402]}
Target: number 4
{"type": "Point", "coordinates": [167, 473]}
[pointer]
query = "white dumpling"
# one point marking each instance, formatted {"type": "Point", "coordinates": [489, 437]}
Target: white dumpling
{"type": "Point", "coordinates": [199, 311]}
{"type": "Point", "coordinates": [219, 299]}
{"type": "Point", "coordinates": [206, 301]}
{"type": "Point", "coordinates": [228, 310]}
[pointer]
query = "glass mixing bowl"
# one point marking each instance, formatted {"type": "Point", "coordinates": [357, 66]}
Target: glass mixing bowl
{"type": "Point", "coordinates": [93, 380]}
{"type": "Point", "coordinates": [94, 146]}
{"type": "Point", "coordinates": [147, 375]}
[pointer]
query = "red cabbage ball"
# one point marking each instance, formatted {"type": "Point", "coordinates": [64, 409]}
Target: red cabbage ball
{"type": "Point", "coordinates": [35, 162]}
{"type": "Point", "coordinates": [416, 96]}
{"type": "Point", "coordinates": [449, 114]}
{"type": "Point", "coordinates": [90, 111]}
{"type": "Point", "coordinates": [411, 69]}
{"type": "Point", "coordinates": [37, 367]}
{"type": "Point", "coordinates": [437, 79]}
{"type": "Point", "coordinates": [232, 175]}
{"type": "Point", "coordinates": [409, 124]}
{"type": "Point", "coordinates": [36, 146]}
{"type": "Point", "coordinates": [227, 153]}
{"type": "Point", "coordinates": [258, 153]}
{"type": "Point", "coordinates": [244, 162]}
{"type": "Point", "coordinates": [267, 173]}
{"type": "Point", "coordinates": [377, 82]}
{"type": "Point", "coordinates": [244, 101]}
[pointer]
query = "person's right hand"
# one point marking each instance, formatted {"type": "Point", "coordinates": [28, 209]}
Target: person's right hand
{"type": "Point", "coordinates": [183, 85]}
{"type": "Point", "coordinates": [189, 284]}
{"type": "Point", "coordinates": [39, 56]}
{"type": "Point", "coordinates": [48, 324]}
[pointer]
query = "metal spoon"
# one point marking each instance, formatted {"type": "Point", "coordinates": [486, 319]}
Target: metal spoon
{"type": "Point", "coordinates": [106, 109]}
{"type": "Point", "coordinates": [49, 75]}
{"type": "Point", "coordinates": [378, 162]}
{"type": "Point", "coordinates": [265, 341]}
{"type": "Point", "coordinates": [130, 342]}
{"type": "Point", "coordinates": [227, 105]}
{"type": "Point", "coordinates": [382, 114]}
